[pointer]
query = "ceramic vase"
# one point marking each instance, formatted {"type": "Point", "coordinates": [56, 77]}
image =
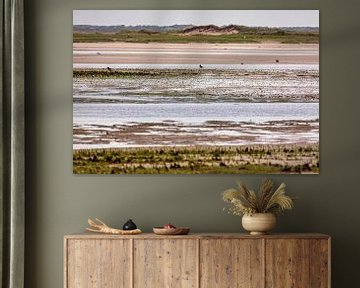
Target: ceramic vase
{"type": "Point", "coordinates": [259, 223]}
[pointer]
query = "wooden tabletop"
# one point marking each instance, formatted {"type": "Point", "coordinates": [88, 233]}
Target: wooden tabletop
{"type": "Point", "coordinates": [89, 235]}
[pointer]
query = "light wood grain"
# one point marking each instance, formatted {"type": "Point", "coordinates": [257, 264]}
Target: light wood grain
{"type": "Point", "coordinates": [98, 264]}
{"type": "Point", "coordinates": [203, 260]}
{"type": "Point", "coordinates": [319, 263]}
{"type": "Point", "coordinates": [287, 263]}
{"type": "Point", "coordinates": [231, 263]}
{"type": "Point", "coordinates": [165, 263]}
{"type": "Point", "coordinates": [88, 235]}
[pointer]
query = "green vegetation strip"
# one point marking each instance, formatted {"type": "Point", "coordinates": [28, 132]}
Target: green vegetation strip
{"type": "Point", "coordinates": [199, 160]}
{"type": "Point", "coordinates": [171, 37]}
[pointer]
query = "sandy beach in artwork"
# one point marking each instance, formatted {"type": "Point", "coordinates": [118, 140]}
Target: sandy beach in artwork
{"type": "Point", "coordinates": [195, 53]}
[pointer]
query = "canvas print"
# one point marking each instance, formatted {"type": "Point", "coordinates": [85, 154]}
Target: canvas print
{"type": "Point", "coordinates": [195, 92]}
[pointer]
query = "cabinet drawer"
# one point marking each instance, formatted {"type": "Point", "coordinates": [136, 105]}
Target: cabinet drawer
{"type": "Point", "coordinates": [231, 263]}
{"type": "Point", "coordinates": [98, 263]}
{"type": "Point", "coordinates": [165, 263]}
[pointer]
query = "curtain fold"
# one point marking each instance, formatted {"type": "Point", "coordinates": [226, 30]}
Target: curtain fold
{"type": "Point", "coordinates": [12, 164]}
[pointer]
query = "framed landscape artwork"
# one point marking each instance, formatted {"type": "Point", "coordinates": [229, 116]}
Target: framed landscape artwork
{"type": "Point", "coordinates": [195, 91]}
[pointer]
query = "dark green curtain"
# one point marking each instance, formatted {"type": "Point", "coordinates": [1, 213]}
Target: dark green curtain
{"type": "Point", "coordinates": [12, 145]}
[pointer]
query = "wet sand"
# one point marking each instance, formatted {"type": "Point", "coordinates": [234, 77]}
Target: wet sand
{"type": "Point", "coordinates": [210, 133]}
{"type": "Point", "coordinates": [194, 53]}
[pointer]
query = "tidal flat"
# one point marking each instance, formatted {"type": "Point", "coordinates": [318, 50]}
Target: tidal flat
{"type": "Point", "coordinates": [187, 120]}
{"type": "Point", "coordinates": [217, 84]}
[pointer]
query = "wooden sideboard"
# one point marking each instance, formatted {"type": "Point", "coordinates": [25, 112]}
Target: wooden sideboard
{"type": "Point", "coordinates": [197, 260]}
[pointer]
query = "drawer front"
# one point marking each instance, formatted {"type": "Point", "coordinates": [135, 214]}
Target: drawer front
{"type": "Point", "coordinates": [231, 263]}
{"type": "Point", "coordinates": [165, 263]}
{"type": "Point", "coordinates": [297, 263]}
{"type": "Point", "coordinates": [98, 263]}
{"type": "Point", "coordinates": [320, 263]}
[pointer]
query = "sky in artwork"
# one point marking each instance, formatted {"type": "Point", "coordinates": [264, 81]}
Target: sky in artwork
{"type": "Point", "coordinates": [270, 18]}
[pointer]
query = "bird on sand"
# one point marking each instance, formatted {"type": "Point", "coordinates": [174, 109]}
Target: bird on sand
{"type": "Point", "coordinates": [201, 66]}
